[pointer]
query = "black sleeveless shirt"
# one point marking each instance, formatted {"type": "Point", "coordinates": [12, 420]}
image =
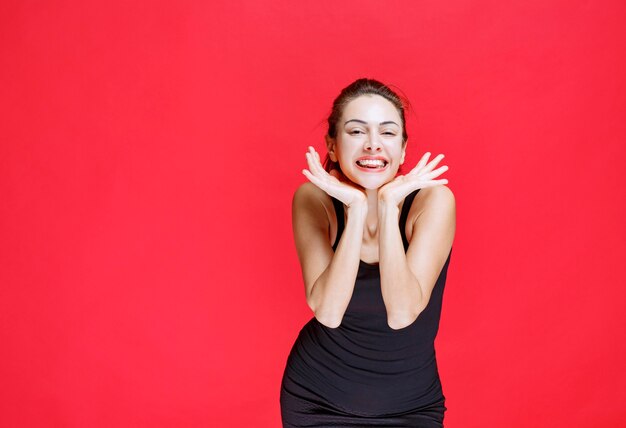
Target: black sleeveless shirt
{"type": "Point", "coordinates": [364, 367]}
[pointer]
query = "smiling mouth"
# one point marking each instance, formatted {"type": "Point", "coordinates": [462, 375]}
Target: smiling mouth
{"type": "Point", "coordinates": [372, 164]}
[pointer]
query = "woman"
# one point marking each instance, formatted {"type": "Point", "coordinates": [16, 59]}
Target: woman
{"type": "Point", "coordinates": [374, 250]}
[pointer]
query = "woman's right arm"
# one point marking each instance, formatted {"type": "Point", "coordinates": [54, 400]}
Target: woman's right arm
{"type": "Point", "coordinates": [329, 277]}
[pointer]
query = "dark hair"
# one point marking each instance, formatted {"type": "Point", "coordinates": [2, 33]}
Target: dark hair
{"type": "Point", "coordinates": [354, 90]}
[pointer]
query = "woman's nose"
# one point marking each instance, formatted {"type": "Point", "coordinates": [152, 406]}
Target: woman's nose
{"type": "Point", "coordinates": [373, 143]}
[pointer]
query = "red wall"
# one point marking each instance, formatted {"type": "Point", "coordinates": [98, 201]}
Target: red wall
{"type": "Point", "coordinates": [149, 152]}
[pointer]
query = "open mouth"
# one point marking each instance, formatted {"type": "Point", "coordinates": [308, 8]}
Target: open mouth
{"type": "Point", "coordinates": [372, 164]}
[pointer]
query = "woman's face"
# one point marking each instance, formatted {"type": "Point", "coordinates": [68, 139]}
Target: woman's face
{"type": "Point", "coordinates": [368, 145]}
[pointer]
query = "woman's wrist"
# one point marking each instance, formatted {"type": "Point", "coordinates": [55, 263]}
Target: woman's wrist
{"type": "Point", "coordinates": [357, 209]}
{"type": "Point", "coordinates": [386, 210]}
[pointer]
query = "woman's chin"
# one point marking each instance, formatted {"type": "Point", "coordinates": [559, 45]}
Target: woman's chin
{"type": "Point", "coordinates": [372, 184]}
{"type": "Point", "coordinates": [370, 181]}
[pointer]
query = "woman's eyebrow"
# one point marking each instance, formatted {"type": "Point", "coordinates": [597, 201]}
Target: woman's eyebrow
{"type": "Point", "coordinates": [365, 123]}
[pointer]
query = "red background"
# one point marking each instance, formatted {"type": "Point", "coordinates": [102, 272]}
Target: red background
{"type": "Point", "coordinates": [150, 150]}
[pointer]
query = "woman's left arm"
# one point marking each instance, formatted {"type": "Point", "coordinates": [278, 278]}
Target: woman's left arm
{"type": "Point", "coordinates": [407, 279]}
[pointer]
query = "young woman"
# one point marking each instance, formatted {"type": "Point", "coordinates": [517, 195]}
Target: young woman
{"type": "Point", "coordinates": [374, 248]}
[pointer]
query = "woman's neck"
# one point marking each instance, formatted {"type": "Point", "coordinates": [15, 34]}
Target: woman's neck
{"type": "Point", "coordinates": [370, 230]}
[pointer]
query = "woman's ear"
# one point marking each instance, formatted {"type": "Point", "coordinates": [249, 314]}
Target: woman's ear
{"type": "Point", "coordinates": [403, 154]}
{"type": "Point", "coordinates": [330, 146]}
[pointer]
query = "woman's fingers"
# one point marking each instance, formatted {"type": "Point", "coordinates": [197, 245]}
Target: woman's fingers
{"type": "Point", "coordinates": [423, 161]}
{"type": "Point", "coordinates": [425, 179]}
{"type": "Point", "coordinates": [433, 183]}
{"type": "Point", "coordinates": [430, 165]}
{"type": "Point", "coordinates": [437, 172]}
{"type": "Point", "coordinates": [433, 163]}
{"type": "Point", "coordinates": [425, 157]}
{"type": "Point", "coordinates": [313, 179]}
{"type": "Point", "coordinates": [314, 162]}
{"type": "Point", "coordinates": [422, 169]}
{"type": "Point", "coordinates": [309, 161]}
{"type": "Point", "coordinates": [420, 165]}
{"type": "Point", "coordinates": [316, 173]}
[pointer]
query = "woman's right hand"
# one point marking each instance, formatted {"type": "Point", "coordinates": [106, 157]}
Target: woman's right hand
{"type": "Point", "coordinates": [330, 183]}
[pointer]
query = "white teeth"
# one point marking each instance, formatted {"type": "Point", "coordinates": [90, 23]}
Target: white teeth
{"type": "Point", "coordinates": [373, 162]}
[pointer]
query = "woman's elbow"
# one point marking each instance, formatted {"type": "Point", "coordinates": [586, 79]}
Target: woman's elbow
{"type": "Point", "coordinates": [399, 321]}
{"type": "Point", "coordinates": [327, 318]}
{"type": "Point", "coordinates": [329, 322]}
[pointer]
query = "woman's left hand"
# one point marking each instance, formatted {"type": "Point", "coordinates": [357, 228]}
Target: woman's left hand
{"type": "Point", "coordinates": [420, 177]}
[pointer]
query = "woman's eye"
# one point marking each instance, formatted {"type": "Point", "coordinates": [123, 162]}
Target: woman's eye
{"type": "Point", "coordinates": [355, 132]}
{"type": "Point", "coordinates": [389, 133]}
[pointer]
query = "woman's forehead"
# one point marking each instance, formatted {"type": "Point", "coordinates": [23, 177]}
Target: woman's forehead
{"type": "Point", "coordinates": [371, 108]}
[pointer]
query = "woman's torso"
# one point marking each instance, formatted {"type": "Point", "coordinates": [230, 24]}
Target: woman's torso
{"type": "Point", "coordinates": [363, 366]}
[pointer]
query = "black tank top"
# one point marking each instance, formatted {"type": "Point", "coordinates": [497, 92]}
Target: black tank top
{"type": "Point", "coordinates": [365, 367]}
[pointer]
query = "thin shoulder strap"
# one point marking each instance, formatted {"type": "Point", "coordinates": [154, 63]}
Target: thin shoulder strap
{"type": "Point", "coordinates": [340, 225]}
{"type": "Point", "coordinates": [406, 207]}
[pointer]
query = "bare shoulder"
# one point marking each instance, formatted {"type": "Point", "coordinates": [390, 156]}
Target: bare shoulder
{"type": "Point", "coordinates": [431, 203]}
{"type": "Point", "coordinates": [437, 197]}
{"type": "Point", "coordinates": [312, 202]}
{"type": "Point", "coordinates": [308, 190]}
{"type": "Point", "coordinates": [308, 194]}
